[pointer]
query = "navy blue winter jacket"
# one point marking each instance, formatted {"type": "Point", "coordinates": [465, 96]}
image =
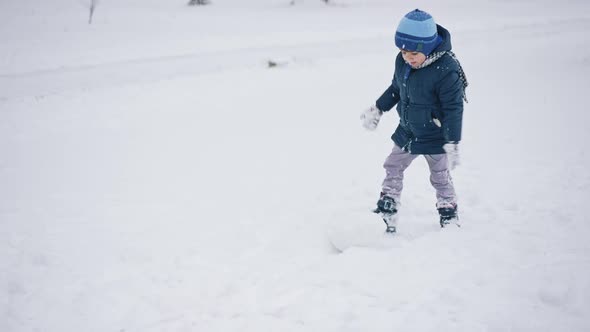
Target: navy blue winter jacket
{"type": "Point", "coordinates": [432, 92]}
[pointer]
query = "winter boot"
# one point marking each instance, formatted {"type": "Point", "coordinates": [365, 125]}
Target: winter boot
{"type": "Point", "coordinates": [448, 214]}
{"type": "Point", "coordinates": [387, 208]}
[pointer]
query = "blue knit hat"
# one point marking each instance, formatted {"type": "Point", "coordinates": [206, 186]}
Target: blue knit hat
{"type": "Point", "coordinates": [417, 32]}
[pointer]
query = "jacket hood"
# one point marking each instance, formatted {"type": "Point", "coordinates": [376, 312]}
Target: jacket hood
{"type": "Point", "coordinates": [445, 45]}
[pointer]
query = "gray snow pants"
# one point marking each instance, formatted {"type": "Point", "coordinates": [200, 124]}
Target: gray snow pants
{"type": "Point", "coordinates": [440, 177]}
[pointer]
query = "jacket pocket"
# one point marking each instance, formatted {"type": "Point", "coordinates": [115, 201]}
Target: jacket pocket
{"type": "Point", "coordinates": [421, 121]}
{"type": "Point", "coordinates": [420, 115]}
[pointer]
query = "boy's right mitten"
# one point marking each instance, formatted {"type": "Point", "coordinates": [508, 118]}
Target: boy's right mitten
{"type": "Point", "coordinates": [370, 118]}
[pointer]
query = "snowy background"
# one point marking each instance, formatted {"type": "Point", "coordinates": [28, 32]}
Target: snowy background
{"type": "Point", "coordinates": [156, 175]}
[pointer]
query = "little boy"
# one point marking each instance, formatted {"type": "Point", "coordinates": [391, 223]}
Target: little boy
{"type": "Point", "coordinates": [428, 88]}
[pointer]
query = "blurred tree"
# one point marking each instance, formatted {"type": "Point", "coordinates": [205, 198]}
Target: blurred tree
{"type": "Point", "coordinates": [198, 2]}
{"type": "Point", "coordinates": [295, 1]}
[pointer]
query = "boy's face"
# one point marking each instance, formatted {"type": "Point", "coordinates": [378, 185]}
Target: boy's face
{"type": "Point", "coordinates": [414, 59]}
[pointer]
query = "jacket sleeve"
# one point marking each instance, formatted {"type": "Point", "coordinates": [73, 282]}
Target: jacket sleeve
{"type": "Point", "coordinates": [389, 98]}
{"type": "Point", "coordinates": [450, 94]}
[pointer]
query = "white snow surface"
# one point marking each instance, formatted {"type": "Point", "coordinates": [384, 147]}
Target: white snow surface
{"type": "Point", "coordinates": [157, 175]}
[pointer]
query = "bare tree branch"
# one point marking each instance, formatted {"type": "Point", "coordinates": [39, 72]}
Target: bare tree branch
{"type": "Point", "coordinates": [92, 7]}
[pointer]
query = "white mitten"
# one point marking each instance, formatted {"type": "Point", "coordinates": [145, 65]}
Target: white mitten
{"type": "Point", "coordinates": [452, 150]}
{"type": "Point", "coordinates": [370, 118]}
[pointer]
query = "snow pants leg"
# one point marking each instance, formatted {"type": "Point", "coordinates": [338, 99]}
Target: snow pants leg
{"type": "Point", "coordinates": [441, 180]}
{"type": "Point", "coordinates": [395, 165]}
{"type": "Point", "coordinates": [440, 177]}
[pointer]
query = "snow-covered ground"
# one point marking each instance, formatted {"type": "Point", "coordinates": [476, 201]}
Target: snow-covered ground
{"type": "Point", "coordinates": [157, 175]}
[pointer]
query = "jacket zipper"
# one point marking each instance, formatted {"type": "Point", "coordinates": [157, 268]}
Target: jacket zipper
{"type": "Point", "coordinates": [407, 83]}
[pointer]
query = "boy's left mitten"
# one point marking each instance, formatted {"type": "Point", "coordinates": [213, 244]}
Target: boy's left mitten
{"type": "Point", "coordinates": [452, 151]}
{"type": "Point", "coordinates": [370, 118]}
